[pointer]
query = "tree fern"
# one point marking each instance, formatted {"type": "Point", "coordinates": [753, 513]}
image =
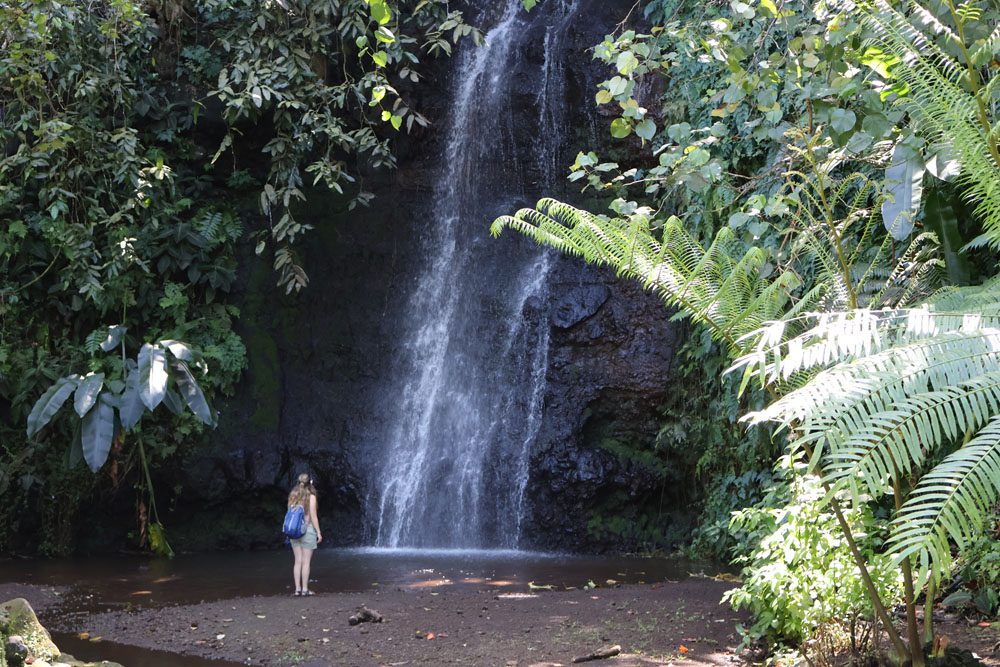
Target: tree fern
{"type": "Point", "coordinates": [897, 388]}
{"type": "Point", "coordinates": [950, 501]}
{"type": "Point", "coordinates": [891, 391]}
{"type": "Point", "coordinates": [720, 286]}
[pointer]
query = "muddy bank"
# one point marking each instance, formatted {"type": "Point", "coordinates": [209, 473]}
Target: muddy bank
{"type": "Point", "coordinates": [654, 624]}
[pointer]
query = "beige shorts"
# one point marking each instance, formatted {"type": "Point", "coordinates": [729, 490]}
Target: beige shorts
{"type": "Point", "coordinates": [307, 541]}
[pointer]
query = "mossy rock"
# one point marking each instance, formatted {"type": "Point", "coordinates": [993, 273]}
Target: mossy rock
{"type": "Point", "coordinates": [18, 618]}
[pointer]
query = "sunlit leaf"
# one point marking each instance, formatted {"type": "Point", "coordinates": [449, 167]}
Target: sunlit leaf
{"type": "Point", "coordinates": [192, 394]}
{"type": "Point", "coordinates": [904, 180]}
{"type": "Point", "coordinates": [97, 430]}
{"type": "Point", "coordinates": [48, 405]}
{"type": "Point", "coordinates": [620, 128]}
{"type": "Point", "coordinates": [86, 392]}
{"type": "Point", "coordinates": [131, 409]}
{"type": "Point", "coordinates": [115, 334]}
{"type": "Point", "coordinates": [152, 375]}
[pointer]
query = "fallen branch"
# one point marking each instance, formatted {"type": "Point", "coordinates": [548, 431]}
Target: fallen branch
{"type": "Point", "coordinates": [600, 654]}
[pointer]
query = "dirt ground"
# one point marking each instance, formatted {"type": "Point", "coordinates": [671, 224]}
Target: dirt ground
{"type": "Point", "coordinates": [653, 624]}
{"type": "Point", "coordinates": [675, 622]}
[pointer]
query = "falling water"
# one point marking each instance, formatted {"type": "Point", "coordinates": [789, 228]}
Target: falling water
{"type": "Point", "coordinates": [471, 392]}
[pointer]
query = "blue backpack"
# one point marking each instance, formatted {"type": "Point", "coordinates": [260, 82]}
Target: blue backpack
{"type": "Point", "coordinates": [294, 525]}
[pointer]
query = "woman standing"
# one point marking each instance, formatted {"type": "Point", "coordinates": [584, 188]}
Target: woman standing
{"type": "Point", "coordinates": [303, 494]}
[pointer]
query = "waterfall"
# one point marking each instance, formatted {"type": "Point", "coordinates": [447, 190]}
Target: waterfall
{"type": "Point", "coordinates": [471, 375]}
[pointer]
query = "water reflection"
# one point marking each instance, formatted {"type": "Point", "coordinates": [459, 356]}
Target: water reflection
{"type": "Point", "coordinates": [123, 581]}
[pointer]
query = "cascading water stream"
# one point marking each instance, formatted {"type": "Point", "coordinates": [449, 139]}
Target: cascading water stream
{"type": "Point", "coordinates": [472, 377]}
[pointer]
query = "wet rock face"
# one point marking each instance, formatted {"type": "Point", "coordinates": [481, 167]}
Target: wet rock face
{"type": "Point", "coordinates": [321, 377]}
{"type": "Point", "coordinates": [578, 304]}
{"type": "Point", "coordinates": [608, 376]}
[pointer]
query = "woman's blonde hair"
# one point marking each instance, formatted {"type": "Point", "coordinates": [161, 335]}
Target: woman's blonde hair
{"type": "Point", "coordinates": [301, 491]}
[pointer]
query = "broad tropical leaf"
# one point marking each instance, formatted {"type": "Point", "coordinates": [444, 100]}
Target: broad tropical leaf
{"type": "Point", "coordinates": [132, 408]}
{"type": "Point", "coordinates": [153, 376]}
{"type": "Point", "coordinates": [115, 334]}
{"type": "Point", "coordinates": [940, 217]}
{"type": "Point", "coordinates": [180, 350]}
{"type": "Point", "coordinates": [173, 402]}
{"type": "Point", "coordinates": [905, 176]}
{"type": "Point", "coordinates": [48, 405]}
{"type": "Point", "coordinates": [192, 394]}
{"type": "Point", "coordinates": [86, 392]}
{"type": "Point", "coordinates": [97, 430]}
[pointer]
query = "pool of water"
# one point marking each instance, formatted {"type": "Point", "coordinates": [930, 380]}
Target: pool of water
{"type": "Point", "coordinates": [121, 582]}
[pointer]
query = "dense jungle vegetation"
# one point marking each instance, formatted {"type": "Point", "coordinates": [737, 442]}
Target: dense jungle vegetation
{"type": "Point", "coordinates": [816, 188]}
{"type": "Point", "coordinates": [147, 148]}
{"type": "Point", "coordinates": [814, 185]}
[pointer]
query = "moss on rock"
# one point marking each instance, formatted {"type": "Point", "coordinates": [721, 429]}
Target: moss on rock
{"type": "Point", "coordinates": [18, 618]}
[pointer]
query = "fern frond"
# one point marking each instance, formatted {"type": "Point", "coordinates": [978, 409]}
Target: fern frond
{"type": "Point", "coordinates": [875, 382]}
{"type": "Point", "coordinates": [845, 335]}
{"type": "Point", "coordinates": [894, 387]}
{"type": "Point", "coordinates": [982, 299]}
{"type": "Point", "coordinates": [891, 444]}
{"type": "Point", "coordinates": [952, 502]}
{"type": "Point", "coordinates": [720, 286]}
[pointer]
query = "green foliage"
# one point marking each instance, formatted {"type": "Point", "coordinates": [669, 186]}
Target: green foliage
{"type": "Point", "coordinates": [147, 383]}
{"type": "Point", "coordinates": [899, 388]}
{"type": "Point", "coordinates": [979, 571]}
{"type": "Point", "coordinates": [938, 58]}
{"type": "Point", "coordinates": [719, 286]}
{"type": "Point", "coordinates": [739, 76]}
{"type": "Point", "coordinates": [801, 576]}
{"type": "Point", "coordinates": [126, 128]}
{"type": "Point", "coordinates": [312, 70]}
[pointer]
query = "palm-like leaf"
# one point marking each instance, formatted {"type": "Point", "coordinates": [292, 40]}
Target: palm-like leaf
{"type": "Point", "coordinates": [951, 502]}
{"type": "Point", "coordinates": [720, 286]}
{"type": "Point", "coordinates": [774, 355]}
{"type": "Point", "coordinates": [896, 388]}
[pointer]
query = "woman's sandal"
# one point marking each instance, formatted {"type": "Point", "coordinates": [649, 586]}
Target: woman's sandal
{"type": "Point", "coordinates": [297, 593]}
{"type": "Point", "coordinates": [307, 593]}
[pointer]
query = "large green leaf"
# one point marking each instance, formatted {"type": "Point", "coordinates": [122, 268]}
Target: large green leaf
{"type": "Point", "coordinates": [152, 375]}
{"type": "Point", "coordinates": [97, 430]}
{"type": "Point", "coordinates": [132, 408]}
{"type": "Point", "coordinates": [904, 178]}
{"type": "Point", "coordinates": [192, 394]}
{"type": "Point", "coordinates": [173, 402]}
{"type": "Point", "coordinates": [939, 214]}
{"type": "Point", "coordinates": [115, 334]}
{"type": "Point", "coordinates": [87, 391]}
{"type": "Point", "coordinates": [48, 405]}
{"type": "Point", "coordinates": [178, 349]}
{"type": "Point", "coordinates": [158, 540]}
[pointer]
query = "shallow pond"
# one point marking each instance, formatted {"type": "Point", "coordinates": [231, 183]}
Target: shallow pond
{"type": "Point", "coordinates": [98, 584]}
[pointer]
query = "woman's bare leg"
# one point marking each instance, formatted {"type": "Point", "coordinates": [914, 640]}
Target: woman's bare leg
{"type": "Point", "coordinates": [307, 555]}
{"type": "Point", "coordinates": [297, 568]}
